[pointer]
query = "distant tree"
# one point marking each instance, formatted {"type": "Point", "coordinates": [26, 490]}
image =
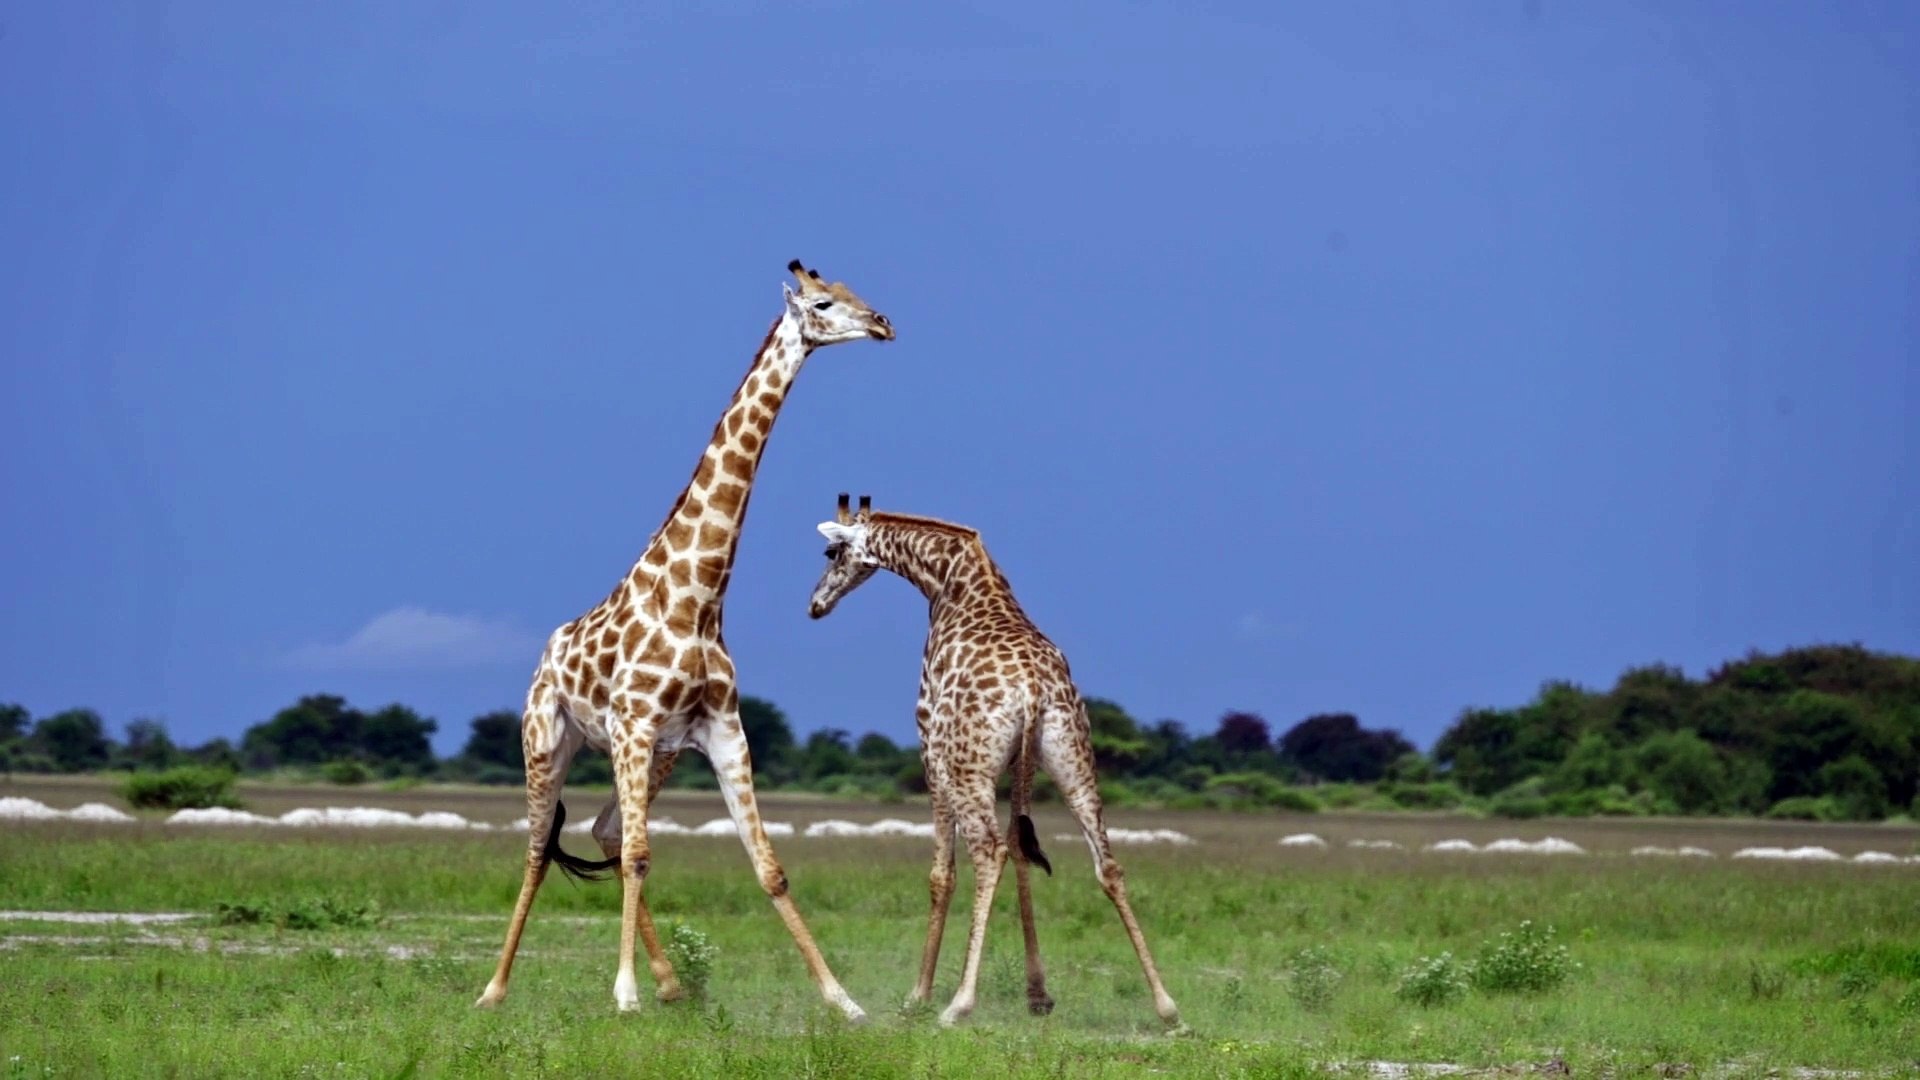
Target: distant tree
{"type": "Point", "coordinates": [1243, 733]}
{"type": "Point", "coordinates": [769, 739]}
{"type": "Point", "coordinates": [14, 721]}
{"type": "Point", "coordinates": [1117, 742]}
{"type": "Point", "coordinates": [397, 739]}
{"type": "Point", "coordinates": [826, 754]}
{"type": "Point", "coordinates": [877, 754]}
{"type": "Point", "coordinates": [1856, 787]}
{"type": "Point", "coordinates": [148, 746]}
{"type": "Point", "coordinates": [1650, 699]}
{"type": "Point", "coordinates": [74, 740]}
{"type": "Point", "coordinates": [1167, 749]}
{"type": "Point", "coordinates": [1489, 750]}
{"type": "Point", "coordinates": [1592, 765]}
{"type": "Point", "coordinates": [316, 729]}
{"type": "Point", "coordinates": [1683, 769]}
{"type": "Point", "coordinates": [495, 741]}
{"type": "Point", "coordinates": [218, 753]}
{"type": "Point", "coordinates": [1333, 746]}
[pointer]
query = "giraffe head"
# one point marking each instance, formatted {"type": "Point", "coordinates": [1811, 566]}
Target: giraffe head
{"type": "Point", "coordinates": [829, 314]}
{"type": "Point", "coordinates": [849, 563]}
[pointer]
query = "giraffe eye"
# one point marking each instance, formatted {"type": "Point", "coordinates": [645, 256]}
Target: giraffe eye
{"type": "Point", "coordinates": [822, 305]}
{"type": "Point", "coordinates": [833, 551]}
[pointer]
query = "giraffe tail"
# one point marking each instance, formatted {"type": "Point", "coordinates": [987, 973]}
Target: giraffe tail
{"type": "Point", "coordinates": [573, 866]}
{"type": "Point", "coordinates": [1023, 799]}
{"type": "Point", "coordinates": [1030, 844]}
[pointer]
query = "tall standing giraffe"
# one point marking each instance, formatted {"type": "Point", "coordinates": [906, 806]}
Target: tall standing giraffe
{"type": "Point", "coordinates": [646, 673]}
{"type": "Point", "coordinates": [993, 691]}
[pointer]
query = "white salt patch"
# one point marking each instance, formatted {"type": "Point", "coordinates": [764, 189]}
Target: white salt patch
{"type": "Point", "coordinates": [1146, 836]}
{"type": "Point", "coordinates": [1876, 857]}
{"type": "Point", "coordinates": [666, 827]}
{"type": "Point", "coordinates": [1799, 854]}
{"type": "Point", "coordinates": [778, 828]}
{"type": "Point", "coordinates": [136, 918]}
{"type": "Point", "coordinates": [1651, 849]}
{"type": "Point", "coordinates": [897, 827]}
{"type": "Point", "coordinates": [218, 815]}
{"type": "Point", "coordinates": [94, 811]}
{"type": "Point", "coordinates": [1692, 852]}
{"type": "Point", "coordinates": [1304, 839]}
{"type": "Point", "coordinates": [1376, 845]}
{"type": "Point", "coordinates": [1552, 845]}
{"type": "Point", "coordinates": [717, 827]}
{"type": "Point", "coordinates": [28, 810]}
{"type": "Point", "coordinates": [1452, 845]}
{"type": "Point", "coordinates": [834, 827]}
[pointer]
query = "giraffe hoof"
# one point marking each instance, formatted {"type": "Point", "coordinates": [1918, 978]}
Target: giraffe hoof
{"type": "Point", "coordinates": [1041, 1005]}
{"type": "Point", "coordinates": [670, 993]}
{"type": "Point", "coordinates": [489, 998]}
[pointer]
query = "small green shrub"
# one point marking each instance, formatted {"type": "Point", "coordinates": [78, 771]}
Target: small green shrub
{"type": "Point", "coordinates": [1432, 981]}
{"type": "Point", "coordinates": [344, 773]}
{"type": "Point", "coordinates": [692, 956]}
{"type": "Point", "coordinates": [1765, 982]}
{"type": "Point", "coordinates": [309, 913]}
{"type": "Point", "coordinates": [186, 787]}
{"type": "Point", "coordinates": [1312, 979]}
{"type": "Point", "coordinates": [1252, 791]}
{"type": "Point", "coordinates": [1805, 808]}
{"type": "Point", "coordinates": [1526, 961]}
{"type": "Point", "coordinates": [1440, 795]}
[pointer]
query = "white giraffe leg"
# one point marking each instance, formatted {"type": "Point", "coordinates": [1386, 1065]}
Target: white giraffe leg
{"type": "Point", "coordinates": [727, 750]}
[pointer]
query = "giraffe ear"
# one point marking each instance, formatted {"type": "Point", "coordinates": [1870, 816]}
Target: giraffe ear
{"type": "Point", "coordinates": [832, 530]}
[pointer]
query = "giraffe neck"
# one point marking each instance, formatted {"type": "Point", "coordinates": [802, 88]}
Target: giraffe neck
{"type": "Point", "coordinates": [694, 548]}
{"type": "Point", "coordinates": [945, 562]}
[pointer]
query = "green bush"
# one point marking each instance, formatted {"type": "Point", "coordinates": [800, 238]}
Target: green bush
{"type": "Point", "coordinates": [1524, 962]}
{"type": "Point", "coordinates": [1251, 790]}
{"type": "Point", "coordinates": [1432, 981]}
{"type": "Point", "coordinates": [1857, 789]}
{"type": "Point", "coordinates": [1312, 978]}
{"type": "Point", "coordinates": [1805, 808]}
{"type": "Point", "coordinates": [345, 773]}
{"type": "Point", "coordinates": [311, 913]}
{"type": "Point", "coordinates": [1526, 799]}
{"type": "Point", "coordinates": [185, 787]}
{"type": "Point", "coordinates": [1439, 795]}
{"type": "Point", "coordinates": [692, 955]}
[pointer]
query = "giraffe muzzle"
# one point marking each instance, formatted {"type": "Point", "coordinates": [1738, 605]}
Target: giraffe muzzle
{"type": "Point", "coordinates": [882, 329]}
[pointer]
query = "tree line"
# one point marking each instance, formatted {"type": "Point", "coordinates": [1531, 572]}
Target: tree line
{"type": "Point", "coordinates": [1827, 732]}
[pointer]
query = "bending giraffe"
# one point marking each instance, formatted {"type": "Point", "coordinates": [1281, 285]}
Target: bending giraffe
{"type": "Point", "coordinates": [993, 692]}
{"type": "Point", "coordinates": [645, 674]}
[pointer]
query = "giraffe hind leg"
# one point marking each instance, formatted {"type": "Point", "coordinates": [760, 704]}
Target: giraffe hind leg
{"type": "Point", "coordinates": [606, 833]}
{"type": "Point", "coordinates": [549, 745]}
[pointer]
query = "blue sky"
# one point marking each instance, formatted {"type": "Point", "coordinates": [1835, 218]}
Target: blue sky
{"type": "Point", "coordinates": [1388, 358]}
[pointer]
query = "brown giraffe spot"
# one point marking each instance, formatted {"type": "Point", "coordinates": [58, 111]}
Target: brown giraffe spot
{"type": "Point", "coordinates": [609, 638]}
{"type": "Point", "coordinates": [710, 571]}
{"type": "Point", "coordinates": [630, 640]}
{"type": "Point", "coordinates": [645, 682]}
{"type": "Point", "coordinates": [734, 420]}
{"type": "Point", "coordinates": [770, 402]}
{"type": "Point", "coordinates": [751, 388]}
{"type": "Point", "coordinates": [670, 697]}
{"type": "Point", "coordinates": [678, 534]}
{"type": "Point", "coordinates": [749, 441]}
{"type": "Point", "coordinates": [606, 664]}
{"type": "Point", "coordinates": [726, 498]}
{"type": "Point", "coordinates": [702, 476]}
{"type": "Point", "coordinates": [693, 509]}
{"type": "Point", "coordinates": [680, 619]}
{"type": "Point", "coordinates": [680, 573]}
{"type": "Point", "coordinates": [600, 695]}
{"type": "Point", "coordinates": [763, 423]}
{"type": "Point", "coordinates": [737, 465]}
{"type": "Point", "coordinates": [714, 537]}
{"type": "Point", "coordinates": [658, 652]}
{"type": "Point", "coordinates": [775, 380]}
{"type": "Point", "coordinates": [656, 555]}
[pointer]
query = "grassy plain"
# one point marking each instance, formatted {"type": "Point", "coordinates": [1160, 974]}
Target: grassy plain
{"type": "Point", "coordinates": [1719, 964]}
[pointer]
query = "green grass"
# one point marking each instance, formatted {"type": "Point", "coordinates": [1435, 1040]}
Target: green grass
{"type": "Point", "coordinates": [1281, 960]}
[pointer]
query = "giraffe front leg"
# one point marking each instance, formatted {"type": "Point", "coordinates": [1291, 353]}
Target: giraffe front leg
{"type": "Point", "coordinates": [632, 747]}
{"type": "Point", "coordinates": [974, 797]}
{"type": "Point", "coordinates": [940, 893]}
{"type": "Point", "coordinates": [607, 833]}
{"type": "Point", "coordinates": [727, 750]}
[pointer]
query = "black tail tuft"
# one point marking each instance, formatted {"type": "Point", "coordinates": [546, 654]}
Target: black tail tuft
{"type": "Point", "coordinates": [573, 866]}
{"type": "Point", "coordinates": [1030, 844]}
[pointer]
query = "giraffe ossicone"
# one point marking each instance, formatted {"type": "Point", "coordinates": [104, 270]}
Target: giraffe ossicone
{"type": "Point", "coordinates": [645, 674]}
{"type": "Point", "coordinates": [994, 693]}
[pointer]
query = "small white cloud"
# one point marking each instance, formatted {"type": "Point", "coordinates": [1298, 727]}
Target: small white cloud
{"type": "Point", "coordinates": [412, 637]}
